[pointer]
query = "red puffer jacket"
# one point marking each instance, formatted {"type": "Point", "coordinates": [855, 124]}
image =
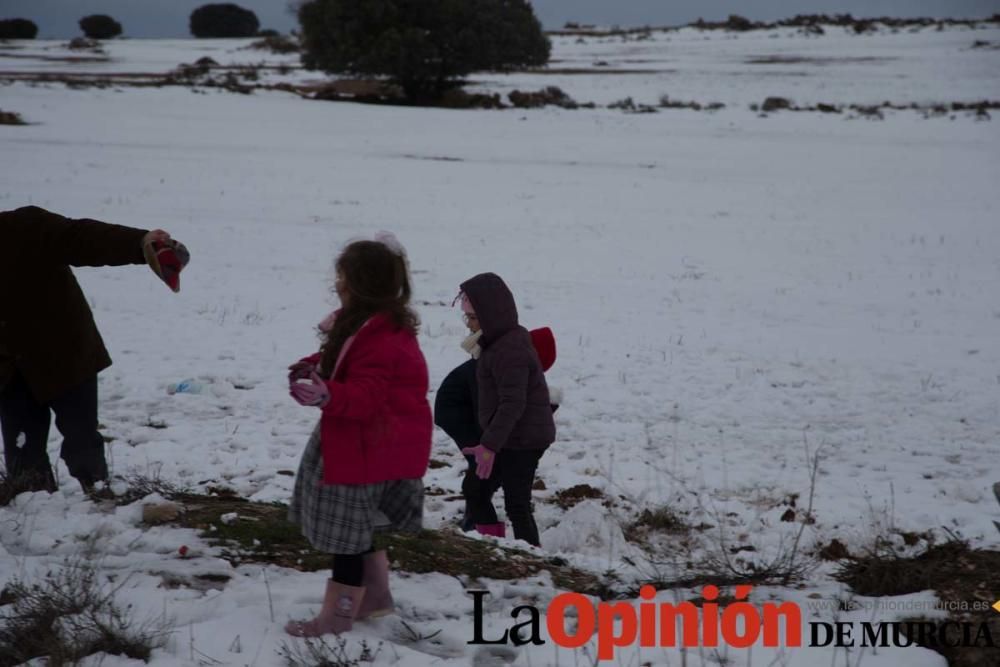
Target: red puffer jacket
{"type": "Point", "coordinates": [377, 425]}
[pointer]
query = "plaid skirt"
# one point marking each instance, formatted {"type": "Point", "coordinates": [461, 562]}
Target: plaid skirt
{"type": "Point", "coordinates": [343, 518]}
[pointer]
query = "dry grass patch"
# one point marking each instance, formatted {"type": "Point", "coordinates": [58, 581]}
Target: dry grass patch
{"type": "Point", "coordinates": [11, 118]}
{"type": "Point", "coordinates": [954, 570]}
{"type": "Point", "coordinates": [261, 532]}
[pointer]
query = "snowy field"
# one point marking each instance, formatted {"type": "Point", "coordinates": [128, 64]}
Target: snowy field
{"type": "Point", "coordinates": [732, 295]}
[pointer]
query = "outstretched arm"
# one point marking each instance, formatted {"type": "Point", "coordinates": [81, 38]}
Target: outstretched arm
{"type": "Point", "coordinates": [85, 242]}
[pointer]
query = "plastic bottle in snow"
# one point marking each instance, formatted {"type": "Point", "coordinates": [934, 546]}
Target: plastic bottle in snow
{"type": "Point", "coordinates": [188, 386]}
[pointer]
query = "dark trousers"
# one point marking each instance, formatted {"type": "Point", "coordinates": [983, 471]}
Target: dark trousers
{"type": "Point", "coordinates": [25, 422]}
{"type": "Point", "coordinates": [514, 472]}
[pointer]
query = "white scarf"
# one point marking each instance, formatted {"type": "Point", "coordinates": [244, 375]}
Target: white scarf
{"type": "Point", "coordinates": [471, 344]}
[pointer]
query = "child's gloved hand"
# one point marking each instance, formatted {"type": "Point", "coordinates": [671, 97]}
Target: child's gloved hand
{"type": "Point", "coordinates": [485, 458]}
{"type": "Point", "coordinates": [300, 370]}
{"type": "Point", "coordinates": [312, 393]}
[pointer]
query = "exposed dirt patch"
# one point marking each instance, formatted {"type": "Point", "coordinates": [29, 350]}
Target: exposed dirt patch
{"type": "Point", "coordinates": [260, 532]}
{"type": "Point", "coordinates": [980, 110]}
{"type": "Point", "coordinates": [856, 25]}
{"type": "Point", "coordinates": [834, 550]}
{"type": "Point", "coordinates": [433, 158]}
{"type": "Point", "coordinates": [11, 118]}
{"type": "Point", "coordinates": [567, 498]}
{"type": "Point", "coordinates": [809, 60]}
{"type": "Point", "coordinates": [658, 520]}
{"type": "Point", "coordinates": [955, 571]}
{"type": "Point", "coordinates": [603, 71]}
{"type": "Point", "coordinates": [551, 95]}
{"type": "Point", "coordinates": [57, 59]}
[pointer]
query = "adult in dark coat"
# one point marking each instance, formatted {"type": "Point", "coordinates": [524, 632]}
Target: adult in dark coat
{"type": "Point", "coordinates": [50, 349]}
{"type": "Point", "coordinates": [515, 411]}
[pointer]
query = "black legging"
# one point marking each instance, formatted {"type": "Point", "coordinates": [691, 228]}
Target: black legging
{"type": "Point", "coordinates": [349, 569]}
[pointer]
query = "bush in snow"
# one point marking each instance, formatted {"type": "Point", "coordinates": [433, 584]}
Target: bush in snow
{"type": "Point", "coordinates": [69, 615]}
{"type": "Point", "coordinates": [424, 46]}
{"type": "Point", "coordinates": [84, 44]}
{"type": "Point", "coordinates": [8, 118]}
{"type": "Point", "coordinates": [223, 20]}
{"type": "Point", "coordinates": [100, 26]}
{"type": "Point", "coordinates": [553, 95]}
{"type": "Point", "coordinates": [276, 44]}
{"type": "Point", "coordinates": [739, 23]}
{"type": "Point", "coordinates": [18, 29]}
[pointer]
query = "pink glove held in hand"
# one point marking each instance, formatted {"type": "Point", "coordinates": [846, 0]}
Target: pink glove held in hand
{"type": "Point", "coordinates": [312, 393]}
{"type": "Point", "coordinates": [300, 370]}
{"type": "Point", "coordinates": [485, 458]}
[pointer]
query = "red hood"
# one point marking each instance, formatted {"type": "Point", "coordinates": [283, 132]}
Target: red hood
{"type": "Point", "coordinates": [545, 345]}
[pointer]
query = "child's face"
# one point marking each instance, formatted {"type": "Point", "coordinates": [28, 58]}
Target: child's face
{"type": "Point", "coordinates": [471, 321]}
{"type": "Point", "coordinates": [340, 285]}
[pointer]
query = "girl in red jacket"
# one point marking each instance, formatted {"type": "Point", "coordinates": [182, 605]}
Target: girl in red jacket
{"type": "Point", "coordinates": [373, 441]}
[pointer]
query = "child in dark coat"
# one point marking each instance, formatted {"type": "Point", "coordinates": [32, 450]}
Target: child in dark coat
{"type": "Point", "coordinates": [512, 403]}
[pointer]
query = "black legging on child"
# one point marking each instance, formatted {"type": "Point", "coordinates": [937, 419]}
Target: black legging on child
{"type": "Point", "coordinates": [514, 471]}
{"type": "Point", "coordinates": [349, 569]}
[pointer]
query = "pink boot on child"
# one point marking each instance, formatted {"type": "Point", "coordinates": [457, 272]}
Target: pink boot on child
{"type": "Point", "coordinates": [340, 607]}
{"type": "Point", "coordinates": [378, 600]}
{"type": "Point", "coordinates": [493, 529]}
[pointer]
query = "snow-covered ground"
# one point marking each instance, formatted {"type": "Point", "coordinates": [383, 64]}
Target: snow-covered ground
{"type": "Point", "coordinates": [731, 294]}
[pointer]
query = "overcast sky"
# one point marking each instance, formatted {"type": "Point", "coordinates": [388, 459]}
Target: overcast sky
{"type": "Point", "coordinates": [169, 18]}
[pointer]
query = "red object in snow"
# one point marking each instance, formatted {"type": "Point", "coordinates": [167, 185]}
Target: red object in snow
{"type": "Point", "coordinates": [183, 551]}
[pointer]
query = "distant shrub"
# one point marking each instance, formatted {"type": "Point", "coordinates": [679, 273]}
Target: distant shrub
{"type": "Point", "coordinates": [276, 44]}
{"type": "Point", "coordinates": [459, 99]}
{"type": "Point", "coordinates": [776, 103]}
{"type": "Point", "coordinates": [423, 46]}
{"type": "Point", "coordinates": [552, 95]}
{"type": "Point", "coordinates": [223, 20]}
{"type": "Point", "coordinates": [18, 29]}
{"type": "Point", "coordinates": [737, 22]}
{"type": "Point", "coordinates": [100, 26]}
{"type": "Point", "coordinates": [84, 44]}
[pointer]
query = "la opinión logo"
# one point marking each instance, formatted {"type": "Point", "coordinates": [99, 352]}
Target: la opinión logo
{"type": "Point", "coordinates": [573, 620]}
{"type": "Point", "coordinates": [618, 624]}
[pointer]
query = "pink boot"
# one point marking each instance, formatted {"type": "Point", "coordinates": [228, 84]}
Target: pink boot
{"type": "Point", "coordinates": [340, 607]}
{"type": "Point", "coordinates": [494, 529]}
{"type": "Point", "coordinates": [378, 600]}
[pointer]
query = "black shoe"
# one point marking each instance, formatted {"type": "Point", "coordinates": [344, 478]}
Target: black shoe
{"type": "Point", "coordinates": [89, 485]}
{"type": "Point", "coordinates": [467, 524]}
{"type": "Point", "coordinates": [30, 480]}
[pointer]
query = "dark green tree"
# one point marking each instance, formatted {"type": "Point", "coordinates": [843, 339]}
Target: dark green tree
{"type": "Point", "coordinates": [223, 20]}
{"type": "Point", "coordinates": [100, 26]}
{"type": "Point", "coordinates": [17, 29]}
{"type": "Point", "coordinates": [423, 45]}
